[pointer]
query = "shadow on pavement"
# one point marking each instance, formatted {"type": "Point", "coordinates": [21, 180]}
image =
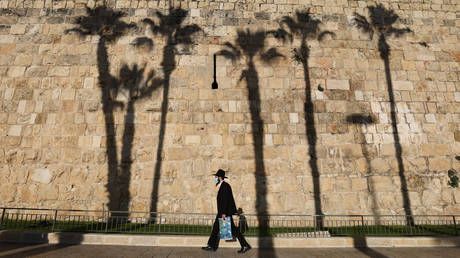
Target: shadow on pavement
{"type": "Point", "coordinates": [360, 244]}
{"type": "Point", "coordinates": [28, 250]}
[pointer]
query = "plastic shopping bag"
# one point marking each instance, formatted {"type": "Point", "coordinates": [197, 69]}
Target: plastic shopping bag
{"type": "Point", "coordinates": [225, 229]}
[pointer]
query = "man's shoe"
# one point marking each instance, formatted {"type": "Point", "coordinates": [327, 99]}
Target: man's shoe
{"type": "Point", "coordinates": [209, 248]}
{"type": "Point", "coordinates": [244, 249]}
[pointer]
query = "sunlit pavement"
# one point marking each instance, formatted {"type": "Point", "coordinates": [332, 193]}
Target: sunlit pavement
{"type": "Point", "coordinates": [46, 250]}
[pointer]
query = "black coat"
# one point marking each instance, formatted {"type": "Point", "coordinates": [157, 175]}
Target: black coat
{"type": "Point", "coordinates": [225, 202]}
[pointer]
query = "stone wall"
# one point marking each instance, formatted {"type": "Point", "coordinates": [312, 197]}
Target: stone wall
{"type": "Point", "coordinates": [74, 133]}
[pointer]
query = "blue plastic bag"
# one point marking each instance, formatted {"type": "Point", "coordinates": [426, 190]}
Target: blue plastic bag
{"type": "Point", "coordinates": [225, 229]}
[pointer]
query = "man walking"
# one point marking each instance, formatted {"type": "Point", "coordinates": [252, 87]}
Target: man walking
{"type": "Point", "coordinates": [225, 208]}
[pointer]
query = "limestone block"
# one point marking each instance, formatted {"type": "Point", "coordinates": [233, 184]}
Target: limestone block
{"type": "Point", "coordinates": [88, 83]}
{"type": "Point", "coordinates": [36, 71]}
{"type": "Point", "coordinates": [430, 198]}
{"type": "Point", "coordinates": [88, 94]}
{"type": "Point", "coordinates": [351, 150]}
{"type": "Point", "coordinates": [417, 107]}
{"type": "Point", "coordinates": [43, 176]}
{"type": "Point", "coordinates": [195, 12]}
{"type": "Point", "coordinates": [277, 83]}
{"type": "Point", "coordinates": [9, 93]}
{"type": "Point", "coordinates": [278, 139]}
{"type": "Point", "coordinates": [59, 71]}
{"type": "Point", "coordinates": [403, 85]}
{"type": "Point", "coordinates": [7, 49]}
{"type": "Point", "coordinates": [8, 192]}
{"type": "Point", "coordinates": [27, 119]}
{"type": "Point", "coordinates": [29, 194]}
{"type": "Point", "coordinates": [439, 164]}
{"type": "Point", "coordinates": [68, 94]}
{"type": "Point", "coordinates": [192, 139]}
{"type": "Point", "coordinates": [7, 39]}
{"type": "Point", "coordinates": [16, 71]}
{"type": "Point", "coordinates": [216, 140]}
{"type": "Point", "coordinates": [380, 183]}
{"type": "Point", "coordinates": [48, 192]}
{"type": "Point", "coordinates": [337, 84]}
{"type": "Point", "coordinates": [15, 130]}
{"type": "Point", "coordinates": [447, 195]}
{"type": "Point", "coordinates": [435, 149]}
{"type": "Point", "coordinates": [358, 184]}
{"type": "Point", "coordinates": [236, 128]}
{"type": "Point", "coordinates": [430, 118]}
{"type": "Point", "coordinates": [68, 60]}
{"type": "Point", "coordinates": [457, 96]}
{"type": "Point", "coordinates": [23, 60]}
{"type": "Point", "coordinates": [343, 185]}
{"type": "Point", "coordinates": [293, 118]}
{"type": "Point", "coordinates": [336, 106]}
{"type": "Point", "coordinates": [415, 199]}
{"type": "Point", "coordinates": [18, 29]}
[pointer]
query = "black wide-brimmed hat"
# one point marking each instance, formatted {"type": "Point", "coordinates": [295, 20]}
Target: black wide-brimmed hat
{"type": "Point", "coordinates": [220, 173]}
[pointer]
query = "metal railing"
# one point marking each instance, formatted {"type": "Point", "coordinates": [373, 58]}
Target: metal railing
{"type": "Point", "coordinates": [282, 225]}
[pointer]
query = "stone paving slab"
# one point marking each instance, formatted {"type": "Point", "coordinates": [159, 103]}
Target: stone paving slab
{"type": "Point", "coordinates": [51, 251]}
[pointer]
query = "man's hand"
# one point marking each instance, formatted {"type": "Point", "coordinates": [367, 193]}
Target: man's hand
{"type": "Point", "coordinates": [223, 216]}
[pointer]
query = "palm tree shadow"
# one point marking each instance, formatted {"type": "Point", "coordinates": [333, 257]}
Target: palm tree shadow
{"type": "Point", "coordinates": [249, 44]}
{"type": "Point", "coordinates": [304, 26]}
{"type": "Point", "coordinates": [381, 23]}
{"type": "Point", "coordinates": [362, 120]}
{"type": "Point", "coordinates": [105, 23]}
{"type": "Point", "coordinates": [137, 86]}
{"type": "Point", "coordinates": [171, 29]}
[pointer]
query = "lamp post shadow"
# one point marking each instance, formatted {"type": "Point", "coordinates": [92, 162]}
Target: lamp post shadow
{"type": "Point", "coordinates": [360, 121]}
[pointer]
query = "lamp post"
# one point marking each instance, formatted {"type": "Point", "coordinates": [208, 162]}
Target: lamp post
{"type": "Point", "coordinates": [214, 85]}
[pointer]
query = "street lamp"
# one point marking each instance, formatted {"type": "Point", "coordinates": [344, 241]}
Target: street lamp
{"type": "Point", "coordinates": [214, 85]}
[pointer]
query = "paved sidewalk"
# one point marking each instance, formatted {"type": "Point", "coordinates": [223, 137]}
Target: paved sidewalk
{"type": "Point", "coordinates": [47, 250]}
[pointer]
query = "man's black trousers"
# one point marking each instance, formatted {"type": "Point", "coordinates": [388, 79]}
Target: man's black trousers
{"type": "Point", "coordinates": [214, 238]}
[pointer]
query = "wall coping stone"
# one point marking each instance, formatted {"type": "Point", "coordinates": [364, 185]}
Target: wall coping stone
{"type": "Point", "coordinates": [197, 241]}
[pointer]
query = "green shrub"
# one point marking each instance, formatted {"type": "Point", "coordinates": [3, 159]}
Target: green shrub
{"type": "Point", "coordinates": [453, 178]}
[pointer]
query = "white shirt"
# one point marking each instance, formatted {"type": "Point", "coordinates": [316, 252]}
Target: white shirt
{"type": "Point", "coordinates": [219, 184]}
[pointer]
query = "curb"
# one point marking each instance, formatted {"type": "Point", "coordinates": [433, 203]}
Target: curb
{"type": "Point", "coordinates": [197, 241]}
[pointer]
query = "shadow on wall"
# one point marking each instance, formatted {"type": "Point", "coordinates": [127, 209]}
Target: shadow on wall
{"type": "Point", "coordinates": [138, 84]}
{"type": "Point", "coordinates": [251, 44]}
{"type": "Point", "coordinates": [306, 27]}
{"type": "Point", "coordinates": [106, 23]}
{"type": "Point", "coordinates": [360, 121]}
{"type": "Point", "coordinates": [381, 23]}
{"type": "Point", "coordinates": [138, 87]}
{"type": "Point", "coordinates": [174, 33]}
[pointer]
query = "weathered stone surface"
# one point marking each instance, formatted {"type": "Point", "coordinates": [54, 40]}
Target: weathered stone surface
{"type": "Point", "coordinates": [16, 71]}
{"type": "Point", "coordinates": [43, 176]}
{"type": "Point", "coordinates": [403, 85]}
{"type": "Point", "coordinates": [436, 164]}
{"type": "Point", "coordinates": [337, 84]}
